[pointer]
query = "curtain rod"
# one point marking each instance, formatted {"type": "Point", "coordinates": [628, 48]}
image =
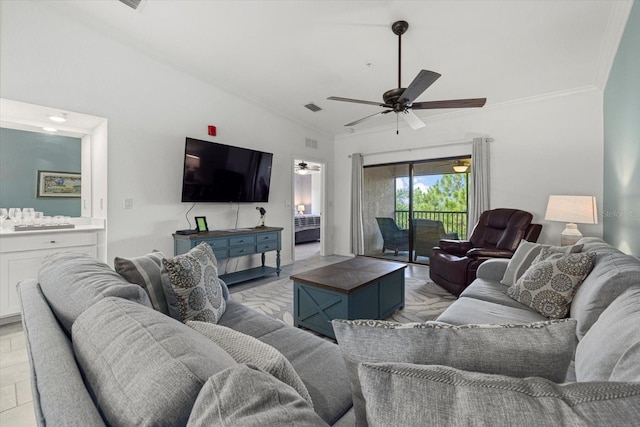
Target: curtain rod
{"type": "Point", "coordinates": [446, 144]}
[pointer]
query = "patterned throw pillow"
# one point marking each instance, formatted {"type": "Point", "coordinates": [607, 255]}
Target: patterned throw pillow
{"type": "Point", "coordinates": [248, 350]}
{"type": "Point", "coordinates": [524, 256]}
{"type": "Point", "coordinates": [193, 277]}
{"type": "Point", "coordinates": [548, 286]}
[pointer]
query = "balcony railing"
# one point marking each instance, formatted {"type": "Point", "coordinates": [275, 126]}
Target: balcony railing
{"type": "Point", "coordinates": [453, 221]}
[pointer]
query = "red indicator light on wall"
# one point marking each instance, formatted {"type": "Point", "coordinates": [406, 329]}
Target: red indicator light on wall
{"type": "Point", "coordinates": [212, 130]}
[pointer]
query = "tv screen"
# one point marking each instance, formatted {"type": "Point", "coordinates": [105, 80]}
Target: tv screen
{"type": "Point", "coordinates": [221, 173]}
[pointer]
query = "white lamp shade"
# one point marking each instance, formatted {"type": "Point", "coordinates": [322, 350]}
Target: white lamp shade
{"type": "Point", "coordinates": [573, 209]}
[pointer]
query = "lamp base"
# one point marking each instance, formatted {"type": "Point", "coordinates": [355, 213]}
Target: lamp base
{"type": "Point", "coordinates": [570, 235]}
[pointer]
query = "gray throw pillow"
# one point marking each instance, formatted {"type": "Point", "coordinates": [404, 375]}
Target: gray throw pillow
{"type": "Point", "coordinates": [249, 350]}
{"type": "Point", "coordinates": [542, 349]}
{"type": "Point", "coordinates": [73, 282]}
{"type": "Point", "coordinates": [548, 286]}
{"type": "Point", "coordinates": [142, 367]}
{"type": "Point", "coordinates": [145, 272]}
{"type": "Point", "coordinates": [525, 254]}
{"type": "Point", "coordinates": [245, 396]}
{"type": "Point", "coordinates": [196, 290]}
{"type": "Point", "coordinates": [416, 395]}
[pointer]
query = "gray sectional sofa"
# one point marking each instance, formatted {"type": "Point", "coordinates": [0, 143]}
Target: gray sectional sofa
{"type": "Point", "coordinates": [100, 355]}
{"type": "Point", "coordinates": [81, 319]}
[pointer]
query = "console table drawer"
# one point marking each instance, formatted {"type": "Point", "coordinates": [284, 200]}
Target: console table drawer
{"type": "Point", "coordinates": [241, 250]}
{"type": "Point", "coordinates": [215, 243]}
{"type": "Point", "coordinates": [242, 240]}
{"type": "Point", "coordinates": [267, 237]}
{"type": "Point", "coordinates": [266, 247]}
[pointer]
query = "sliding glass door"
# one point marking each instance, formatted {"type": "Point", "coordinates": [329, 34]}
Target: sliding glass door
{"type": "Point", "coordinates": [408, 207]}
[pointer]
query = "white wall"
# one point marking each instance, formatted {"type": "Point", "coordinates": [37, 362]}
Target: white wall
{"type": "Point", "coordinates": [549, 145]}
{"type": "Point", "coordinates": [48, 59]}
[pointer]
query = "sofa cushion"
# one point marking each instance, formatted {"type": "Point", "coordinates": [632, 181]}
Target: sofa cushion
{"type": "Point", "coordinates": [544, 349]}
{"type": "Point", "coordinates": [321, 367]}
{"type": "Point", "coordinates": [471, 310]}
{"type": "Point", "coordinates": [417, 395]}
{"type": "Point", "coordinates": [492, 291]}
{"type": "Point", "coordinates": [193, 278]}
{"type": "Point", "coordinates": [73, 282]}
{"type": "Point", "coordinates": [142, 367]}
{"type": "Point", "coordinates": [245, 396]}
{"type": "Point", "coordinates": [243, 319]}
{"type": "Point", "coordinates": [524, 256]}
{"type": "Point", "coordinates": [610, 350]}
{"type": "Point", "coordinates": [612, 273]}
{"type": "Point", "coordinates": [549, 284]}
{"type": "Point", "coordinates": [145, 271]}
{"type": "Point", "coordinates": [249, 350]}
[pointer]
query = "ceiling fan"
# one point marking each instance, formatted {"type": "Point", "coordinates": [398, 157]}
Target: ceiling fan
{"type": "Point", "coordinates": [303, 168]}
{"type": "Point", "coordinates": [400, 100]}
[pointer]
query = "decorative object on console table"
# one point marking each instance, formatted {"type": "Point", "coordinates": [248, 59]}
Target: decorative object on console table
{"type": "Point", "coordinates": [201, 224]}
{"type": "Point", "coordinates": [300, 209]}
{"type": "Point", "coordinates": [58, 184]}
{"type": "Point", "coordinates": [263, 212]}
{"type": "Point", "coordinates": [236, 243]}
{"type": "Point", "coordinates": [572, 210]}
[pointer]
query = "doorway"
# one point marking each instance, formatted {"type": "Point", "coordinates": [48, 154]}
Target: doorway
{"type": "Point", "coordinates": [408, 207]}
{"type": "Point", "coordinates": [308, 206]}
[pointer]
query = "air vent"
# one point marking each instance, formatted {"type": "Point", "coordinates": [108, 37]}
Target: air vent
{"type": "Point", "coordinates": [133, 4]}
{"type": "Point", "coordinates": [310, 143]}
{"type": "Point", "coordinates": [313, 107]}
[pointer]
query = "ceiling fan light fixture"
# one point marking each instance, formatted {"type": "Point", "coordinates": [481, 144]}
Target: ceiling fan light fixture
{"type": "Point", "coordinates": [302, 172]}
{"type": "Point", "coordinates": [460, 167]}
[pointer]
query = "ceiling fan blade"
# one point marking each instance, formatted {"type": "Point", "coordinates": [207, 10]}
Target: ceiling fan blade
{"type": "Point", "coordinates": [423, 80]}
{"type": "Point", "coordinates": [412, 120]}
{"type": "Point", "coordinates": [368, 117]}
{"type": "Point", "coordinates": [452, 103]}
{"type": "Point", "coordinates": [357, 101]}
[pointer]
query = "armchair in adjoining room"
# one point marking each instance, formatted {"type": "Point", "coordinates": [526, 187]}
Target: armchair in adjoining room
{"type": "Point", "coordinates": [497, 234]}
{"type": "Point", "coordinates": [394, 238]}
{"type": "Point", "coordinates": [427, 234]}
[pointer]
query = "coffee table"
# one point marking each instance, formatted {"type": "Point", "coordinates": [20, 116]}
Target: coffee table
{"type": "Point", "coordinates": [359, 288]}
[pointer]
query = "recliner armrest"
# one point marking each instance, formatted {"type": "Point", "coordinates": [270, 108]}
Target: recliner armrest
{"type": "Point", "coordinates": [489, 253]}
{"type": "Point", "coordinates": [456, 247]}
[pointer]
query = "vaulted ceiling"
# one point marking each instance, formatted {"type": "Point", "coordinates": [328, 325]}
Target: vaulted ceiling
{"type": "Point", "coordinates": [285, 54]}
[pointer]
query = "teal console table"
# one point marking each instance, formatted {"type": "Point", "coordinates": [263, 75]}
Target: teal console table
{"type": "Point", "coordinates": [236, 243]}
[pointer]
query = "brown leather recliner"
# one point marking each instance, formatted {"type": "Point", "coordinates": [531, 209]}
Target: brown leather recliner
{"type": "Point", "coordinates": [497, 234]}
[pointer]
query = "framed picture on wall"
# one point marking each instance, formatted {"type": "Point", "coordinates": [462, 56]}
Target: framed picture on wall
{"type": "Point", "coordinates": [58, 184]}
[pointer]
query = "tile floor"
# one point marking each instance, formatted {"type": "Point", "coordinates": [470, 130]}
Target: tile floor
{"type": "Point", "coordinates": [16, 408]}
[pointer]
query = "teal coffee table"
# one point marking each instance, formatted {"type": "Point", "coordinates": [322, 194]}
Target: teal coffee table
{"type": "Point", "coordinates": [359, 288]}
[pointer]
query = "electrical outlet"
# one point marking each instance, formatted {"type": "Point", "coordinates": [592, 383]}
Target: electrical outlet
{"type": "Point", "coordinates": [127, 203]}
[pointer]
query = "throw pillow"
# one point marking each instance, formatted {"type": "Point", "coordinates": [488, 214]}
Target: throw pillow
{"type": "Point", "coordinates": [193, 278]}
{"type": "Point", "coordinates": [245, 396]}
{"type": "Point", "coordinates": [549, 284]}
{"type": "Point", "coordinates": [525, 254]}
{"type": "Point", "coordinates": [542, 348]}
{"type": "Point", "coordinates": [145, 272]}
{"type": "Point", "coordinates": [417, 395]}
{"type": "Point", "coordinates": [247, 349]}
{"type": "Point", "coordinates": [142, 367]}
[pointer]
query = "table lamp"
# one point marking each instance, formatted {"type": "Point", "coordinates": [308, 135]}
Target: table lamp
{"type": "Point", "coordinates": [300, 209]}
{"type": "Point", "coordinates": [572, 210]}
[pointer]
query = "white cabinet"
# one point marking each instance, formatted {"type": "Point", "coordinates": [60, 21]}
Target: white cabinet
{"type": "Point", "coordinates": [22, 254]}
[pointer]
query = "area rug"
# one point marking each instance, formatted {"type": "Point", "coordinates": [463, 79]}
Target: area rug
{"type": "Point", "coordinates": [424, 300]}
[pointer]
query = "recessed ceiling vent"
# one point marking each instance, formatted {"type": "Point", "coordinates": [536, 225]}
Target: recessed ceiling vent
{"type": "Point", "coordinates": [133, 4]}
{"type": "Point", "coordinates": [313, 107]}
{"type": "Point", "coordinates": [310, 143]}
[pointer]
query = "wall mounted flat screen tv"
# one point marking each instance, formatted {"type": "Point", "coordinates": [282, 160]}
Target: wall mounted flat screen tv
{"type": "Point", "coordinates": [221, 173]}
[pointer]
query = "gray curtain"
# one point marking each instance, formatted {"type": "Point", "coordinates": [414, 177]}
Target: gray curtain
{"type": "Point", "coordinates": [479, 197]}
{"type": "Point", "coordinates": [357, 229]}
